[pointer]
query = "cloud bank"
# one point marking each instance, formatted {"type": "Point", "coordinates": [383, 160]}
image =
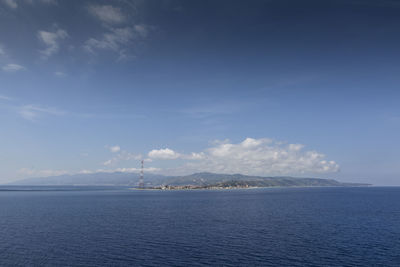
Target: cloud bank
{"type": "Point", "coordinates": [165, 153]}
{"type": "Point", "coordinates": [252, 157]}
{"type": "Point", "coordinates": [262, 157]}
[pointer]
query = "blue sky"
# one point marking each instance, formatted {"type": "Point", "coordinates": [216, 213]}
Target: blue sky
{"type": "Point", "coordinates": [302, 88]}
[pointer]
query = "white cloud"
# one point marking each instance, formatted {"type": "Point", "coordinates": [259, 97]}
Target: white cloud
{"type": "Point", "coordinates": [32, 112]}
{"type": "Point", "coordinates": [113, 41]}
{"type": "Point", "coordinates": [13, 67]}
{"type": "Point", "coordinates": [165, 153]}
{"type": "Point", "coordinates": [117, 40]}
{"type": "Point", "coordinates": [114, 149]}
{"type": "Point", "coordinates": [86, 172]}
{"type": "Point", "coordinates": [51, 40]}
{"type": "Point", "coordinates": [295, 147]}
{"type": "Point", "coordinates": [108, 162]}
{"type": "Point", "coordinates": [253, 157]}
{"type": "Point", "coordinates": [107, 14]}
{"type": "Point", "coordinates": [11, 3]}
{"type": "Point", "coordinates": [194, 156]}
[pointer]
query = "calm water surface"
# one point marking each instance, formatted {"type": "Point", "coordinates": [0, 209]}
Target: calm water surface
{"type": "Point", "coordinates": [275, 226]}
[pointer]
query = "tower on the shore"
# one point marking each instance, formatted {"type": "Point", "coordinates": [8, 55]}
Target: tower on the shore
{"type": "Point", "coordinates": [141, 182]}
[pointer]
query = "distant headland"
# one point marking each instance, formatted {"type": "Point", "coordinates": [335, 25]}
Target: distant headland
{"type": "Point", "coordinates": [239, 181]}
{"type": "Point", "coordinates": [202, 180]}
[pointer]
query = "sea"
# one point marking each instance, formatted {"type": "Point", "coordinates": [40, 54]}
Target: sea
{"type": "Point", "coordinates": [103, 226]}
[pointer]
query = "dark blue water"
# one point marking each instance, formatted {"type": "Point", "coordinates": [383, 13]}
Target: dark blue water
{"type": "Point", "coordinates": [277, 226]}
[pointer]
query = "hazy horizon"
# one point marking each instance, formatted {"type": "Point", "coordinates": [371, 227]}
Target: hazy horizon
{"type": "Point", "coordinates": [266, 88]}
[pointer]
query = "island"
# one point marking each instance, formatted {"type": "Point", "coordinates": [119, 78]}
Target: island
{"type": "Point", "coordinates": [202, 180]}
{"type": "Point", "coordinates": [238, 181]}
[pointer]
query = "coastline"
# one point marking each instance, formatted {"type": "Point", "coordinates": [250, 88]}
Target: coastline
{"type": "Point", "coordinates": [240, 188]}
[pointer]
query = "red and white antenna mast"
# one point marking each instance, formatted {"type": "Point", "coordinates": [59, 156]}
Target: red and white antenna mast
{"type": "Point", "coordinates": [141, 182]}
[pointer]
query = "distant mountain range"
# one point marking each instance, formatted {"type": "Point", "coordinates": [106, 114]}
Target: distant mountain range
{"type": "Point", "coordinates": [197, 179]}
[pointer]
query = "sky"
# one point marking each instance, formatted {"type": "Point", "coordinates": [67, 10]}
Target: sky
{"type": "Point", "coordinates": [299, 88]}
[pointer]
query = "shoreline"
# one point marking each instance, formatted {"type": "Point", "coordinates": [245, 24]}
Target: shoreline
{"type": "Point", "coordinates": [238, 188]}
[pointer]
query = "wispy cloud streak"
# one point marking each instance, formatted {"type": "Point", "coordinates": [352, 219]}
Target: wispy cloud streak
{"type": "Point", "coordinates": [13, 67]}
{"type": "Point", "coordinates": [32, 112]}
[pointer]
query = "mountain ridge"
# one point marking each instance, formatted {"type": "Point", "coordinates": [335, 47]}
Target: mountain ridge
{"type": "Point", "coordinates": [196, 179]}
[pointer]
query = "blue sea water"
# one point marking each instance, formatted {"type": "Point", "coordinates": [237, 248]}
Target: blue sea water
{"type": "Point", "coordinates": [64, 226]}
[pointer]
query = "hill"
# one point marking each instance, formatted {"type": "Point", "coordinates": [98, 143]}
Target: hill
{"type": "Point", "coordinates": [93, 179]}
{"type": "Point", "coordinates": [203, 179]}
{"type": "Point", "coordinates": [228, 180]}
